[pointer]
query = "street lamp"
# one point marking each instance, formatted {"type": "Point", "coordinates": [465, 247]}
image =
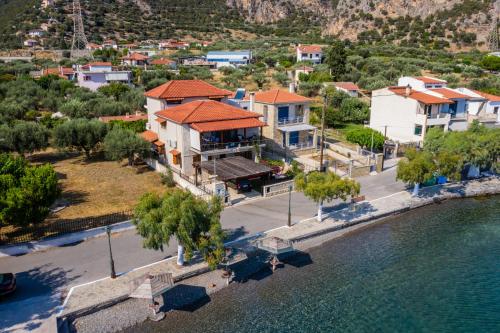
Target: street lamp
{"type": "Point", "coordinates": [290, 205]}
{"type": "Point", "coordinates": [111, 262]}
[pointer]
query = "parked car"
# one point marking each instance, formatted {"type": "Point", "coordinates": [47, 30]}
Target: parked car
{"type": "Point", "coordinates": [242, 185]}
{"type": "Point", "coordinates": [7, 283]}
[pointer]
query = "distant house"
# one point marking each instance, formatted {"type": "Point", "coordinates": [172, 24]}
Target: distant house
{"type": "Point", "coordinates": [109, 44]}
{"type": "Point", "coordinates": [198, 61]}
{"type": "Point", "coordinates": [63, 72]}
{"type": "Point", "coordinates": [37, 33]}
{"type": "Point", "coordinates": [302, 70]}
{"type": "Point", "coordinates": [163, 62]}
{"type": "Point", "coordinates": [47, 3]}
{"type": "Point", "coordinates": [229, 58]}
{"type": "Point", "coordinates": [93, 47]}
{"type": "Point", "coordinates": [30, 43]}
{"type": "Point", "coordinates": [348, 87]}
{"type": "Point", "coordinates": [127, 118]}
{"type": "Point", "coordinates": [421, 82]}
{"type": "Point", "coordinates": [482, 107]}
{"type": "Point", "coordinates": [313, 53]}
{"type": "Point", "coordinates": [98, 74]}
{"type": "Point", "coordinates": [173, 45]}
{"type": "Point", "coordinates": [135, 59]}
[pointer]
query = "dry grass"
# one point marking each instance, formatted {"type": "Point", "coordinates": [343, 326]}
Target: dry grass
{"type": "Point", "coordinates": [98, 187]}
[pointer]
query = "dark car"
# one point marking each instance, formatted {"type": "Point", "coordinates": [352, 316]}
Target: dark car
{"type": "Point", "coordinates": [242, 185]}
{"type": "Point", "coordinates": [7, 283]}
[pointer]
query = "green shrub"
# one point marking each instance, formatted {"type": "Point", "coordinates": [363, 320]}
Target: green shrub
{"type": "Point", "coordinates": [363, 136]}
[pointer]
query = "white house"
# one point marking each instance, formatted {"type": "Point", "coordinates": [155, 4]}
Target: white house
{"type": "Point", "coordinates": [405, 114]}
{"type": "Point", "coordinates": [229, 58]}
{"type": "Point", "coordinates": [302, 70]}
{"type": "Point", "coordinates": [348, 87]}
{"type": "Point", "coordinates": [313, 53]}
{"type": "Point", "coordinates": [135, 59]}
{"type": "Point", "coordinates": [30, 43]}
{"type": "Point", "coordinates": [37, 33]}
{"type": "Point", "coordinates": [482, 106]}
{"type": "Point", "coordinates": [110, 44]}
{"type": "Point", "coordinates": [97, 74]}
{"type": "Point", "coordinates": [421, 82]}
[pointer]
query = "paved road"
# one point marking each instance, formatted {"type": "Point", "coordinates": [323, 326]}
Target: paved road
{"type": "Point", "coordinates": [44, 277]}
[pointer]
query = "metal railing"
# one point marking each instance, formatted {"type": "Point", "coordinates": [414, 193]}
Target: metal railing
{"type": "Point", "coordinates": [230, 145]}
{"type": "Point", "coordinates": [290, 121]}
{"type": "Point", "coordinates": [301, 145]}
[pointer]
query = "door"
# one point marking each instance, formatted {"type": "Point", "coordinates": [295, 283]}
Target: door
{"type": "Point", "coordinates": [294, 138]}
{"type": "Point", "coordinates": [283, 113]}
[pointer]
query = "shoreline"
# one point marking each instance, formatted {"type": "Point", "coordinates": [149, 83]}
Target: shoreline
{"type": "Point", "coordinates": [129, 310]}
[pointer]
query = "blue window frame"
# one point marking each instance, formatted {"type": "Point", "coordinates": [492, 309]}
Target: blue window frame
{"type": "Point", "coordinates": [283, 112]}
{"type": "Point", "coordinates": [294, 138]}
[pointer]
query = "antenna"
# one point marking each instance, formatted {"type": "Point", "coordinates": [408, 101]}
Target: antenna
{"type": "Point", "coordinates": [79, 45]}
{"type": "Point", "coordinates": [493, 36]}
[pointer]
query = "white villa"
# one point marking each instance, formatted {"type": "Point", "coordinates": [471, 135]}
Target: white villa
{"type": "Point", "coordinates": [313, 53]}
{"type": "Point", "coordinates": [97, 74]}
{"type": "Point", "coordinates": [229, 58]}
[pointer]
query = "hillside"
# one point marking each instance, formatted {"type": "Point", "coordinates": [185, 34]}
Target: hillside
{"type": "Point", "coordinates": [431, 23]}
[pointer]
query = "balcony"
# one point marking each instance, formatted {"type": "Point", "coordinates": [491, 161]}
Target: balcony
{"type": "Point", "coordinates": [230, 146]}
{"type": "Point", "coordinates": [291, 121]}
{"type": "Point", "coordinates": [301, 145]}
{"type": "Point", "coordinates": [438, 119]}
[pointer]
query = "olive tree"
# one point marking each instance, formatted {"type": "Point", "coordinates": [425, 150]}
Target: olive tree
{"type": "Point", "coordinates": [194, 222]}
{"type": "Point", "coordinates": [24, 137]}
{"type": "Point", "coordinates": [325, 186]}
{"type": "Point", "coordinates": [122, 143]}
{"type": "Point", "coordinates": [80, 134]}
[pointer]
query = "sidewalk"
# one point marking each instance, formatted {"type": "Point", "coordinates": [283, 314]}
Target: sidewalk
{"type": "Point", "coordinates": [94, 294]}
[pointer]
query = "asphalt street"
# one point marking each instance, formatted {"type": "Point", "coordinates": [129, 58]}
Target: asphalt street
{"type": "Point", "coordinates": [45, 277]}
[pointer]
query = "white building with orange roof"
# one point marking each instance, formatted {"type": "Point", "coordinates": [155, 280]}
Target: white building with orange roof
{"type": "Point", "coordinates": [482, 106]}
{"type": "Point", "coordinates": [312, 53]}
{"type": "Point", "coordinates": [97, 74]}
{"type": "Point", "coordinates": [422, 82]}
{"type": "Point", "coordinates": [135, 59]}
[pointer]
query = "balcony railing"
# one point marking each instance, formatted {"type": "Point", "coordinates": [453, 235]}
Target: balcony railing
{"type": "Point", "coordinates": [301, 145]}
{"type": "Point", "coordinates": [290, 121]}
{"type": "Point", "coordinates": [230, 145]}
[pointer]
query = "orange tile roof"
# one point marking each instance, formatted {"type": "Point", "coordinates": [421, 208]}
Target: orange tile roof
{"type": "Point", "coordinates": [60, 71]}
{"type": "Point", "coordinates": [175, 152]}
{"type": "Point", "coordinates": [160, 120]}
{"type": "Point", "coordinates": [99, 63]}
{"type": "Point", "coordinates": [162, 61]}
{"type": "Point", "coordinates": [225, 125]}
{"type": "Point", "coordinates": [420, 96]}
{"type": "Point", "coordinates": [180, 89]}
{"type": "Point", "coordinates": [136, 56]}
{"type": "Point", "coordinates": [158, 143]}
{"type": "Point", "coordinates": [277, 96]}
{"type": "Point", "coordinates": [149, 136]}
{"type": "Point", "coordinates": [347, 86]}
{"type": "Point", "coordinates": [430, 80]}
{"type": "Point", "coordinates": [449, 93]}
{"type": "Point", "coordinates": [133, 117]}
{"type": "Point", "coordinates": [309, 48]}
{"type": "Point", "coordinates": [489, 97]}
{"type": "Point", "coordinates": [203, 111]}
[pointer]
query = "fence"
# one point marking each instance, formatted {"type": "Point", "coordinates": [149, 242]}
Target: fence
{"type": "Point", "coordinates": [60, 227]}
{"type": "Point", "coordinates": [278, 188]}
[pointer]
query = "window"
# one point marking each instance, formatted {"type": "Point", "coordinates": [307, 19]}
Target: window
{"type": "Point", "coordinates": [176, 159]}
{"type": "Point", "coordinates": [495, 110]}
{"type": "Point", "coordinates": [86, 78]}
{"type": "Point", "coordinates": [428, 110]}
{"type": "Point", "coordinates": [264, 113]}
{"type": "Point", "coordinates": [299, 110]}
{"type": "Point", "coordinates": [418, 130]}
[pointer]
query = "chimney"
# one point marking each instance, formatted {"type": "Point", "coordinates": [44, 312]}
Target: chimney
{"type": "Point", "coordinates": [252, 102]}
{"type": "Point", "coordinates": [408, 91]}
{"type": "Point", "coordinates": [291, 87]}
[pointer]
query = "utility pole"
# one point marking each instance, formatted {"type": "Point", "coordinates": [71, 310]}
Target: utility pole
{"type": "Point", "coordinates": [111, 262]}
{"type": "Point", "coordinates": [322, 145]}
{"type": "Point", "coordinates": [290, 205]}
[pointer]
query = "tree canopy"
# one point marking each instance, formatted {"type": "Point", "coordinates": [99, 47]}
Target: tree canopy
{"type": "Point", "coordinates": [26, 192]}
{"type": "Point", "coordinates": [24, 137]}
{"type": "Point", "coordinates": [178, 213]}
{"type": "Point", "coordinates": [80, 134]}
{"type": "Point", "coordinates": [336, 59]}
{"type": "Point", "coordinates": [122, 143]}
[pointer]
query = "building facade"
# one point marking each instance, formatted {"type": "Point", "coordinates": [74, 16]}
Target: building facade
{"type": "Point", "coordinates": [312, 53]}
{"type": "Point", "coordinates": [229, 58]}
{"type": "Point", "coordinates": [98, 74]}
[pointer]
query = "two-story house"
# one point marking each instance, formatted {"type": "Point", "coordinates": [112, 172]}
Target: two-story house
{"type": "Point", "coordinates": [404, 114]}
{"type": "Point", "coordinates": [203, 130]}
{"type": "Point", "coordinates": [482, 107]}
{"type": "Point", "coordinates": [312, 53]}
{"type": "Point", "coordinates": [287, 117]}
{"type": "Point", "coordinates": [98, 74]}
{"type": "Point", "coordinates": [135, 59]}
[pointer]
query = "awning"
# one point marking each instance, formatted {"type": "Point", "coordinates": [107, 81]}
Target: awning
{"type": "Point", "coordinates": [161, 120]}
{"type": "Point", "coordinates": [227, 125]}
{"type": "Point", "coordinates": [175, 152]}
{"type": "Point", "coordinates": [235, 167]}
{"type": "Point", "coordinates": [158, 143]}
{"type": "Point", "coordinates": [149, 136]}
{"type": "Point", "coordinates": [297, 128]}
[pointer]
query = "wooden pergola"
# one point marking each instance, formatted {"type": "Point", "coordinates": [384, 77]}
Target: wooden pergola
{"type": "Point", "coordinates": [234, 168]}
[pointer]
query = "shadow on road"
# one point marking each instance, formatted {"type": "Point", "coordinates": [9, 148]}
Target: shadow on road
{"type": "Point", "coordinates": [37, 296]}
